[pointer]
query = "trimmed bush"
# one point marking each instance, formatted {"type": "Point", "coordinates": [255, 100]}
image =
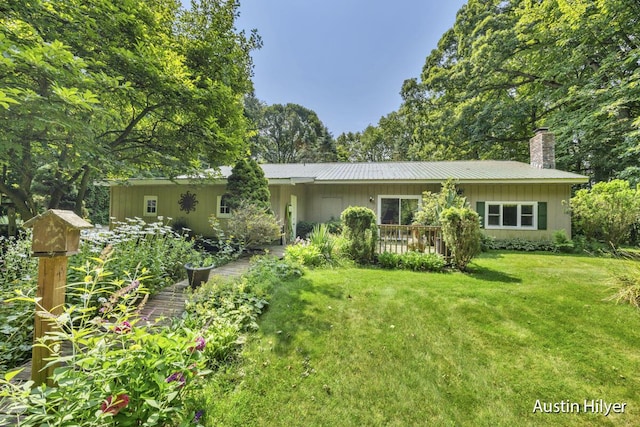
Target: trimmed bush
{"type": "Point", "coordinates": [461, 232]}
{"type": "Point", "coordinates": [360, 232]}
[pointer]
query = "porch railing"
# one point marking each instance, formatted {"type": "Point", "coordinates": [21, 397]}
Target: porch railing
{"type": "Point", "coordinates": [403, 238]}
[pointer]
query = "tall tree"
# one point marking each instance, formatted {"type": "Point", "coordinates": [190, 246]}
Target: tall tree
{"type": "Point", "coordinates": [507, 67]}
{"type": "Point", "coordinates": [292, 134]}
{"type": "Point", "coordinates": [102, 87]}
{"type": "Point", "coordinates": [388, 140]}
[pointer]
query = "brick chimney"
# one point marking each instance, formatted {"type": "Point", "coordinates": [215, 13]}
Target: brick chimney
{"type": "Point", "coordinates": [542, 150]}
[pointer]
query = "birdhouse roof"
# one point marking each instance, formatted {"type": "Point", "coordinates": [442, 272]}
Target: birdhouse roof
{"type": "Point", "coordinates": [68, 217]}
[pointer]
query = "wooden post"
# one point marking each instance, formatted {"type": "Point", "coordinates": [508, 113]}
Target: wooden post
{"type": "Point", "coordinates": [56, 235]}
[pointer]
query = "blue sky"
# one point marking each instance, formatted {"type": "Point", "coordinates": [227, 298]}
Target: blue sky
{"type": "Point", "coordinates": [344, 59]}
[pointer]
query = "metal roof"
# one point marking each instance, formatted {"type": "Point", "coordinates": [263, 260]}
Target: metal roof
{"type": "Point", "coordinates": [463, 171]}
{"type": "Point", "coordinates": [498, 171]}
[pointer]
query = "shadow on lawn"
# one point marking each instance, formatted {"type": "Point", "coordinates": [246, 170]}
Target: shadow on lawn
{"type": "Point", "coordinates": [487, 274]}
{"type": "Point", "coordinates": [294, 311]}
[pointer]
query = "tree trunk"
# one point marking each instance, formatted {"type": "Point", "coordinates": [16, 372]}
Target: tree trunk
{"type": "Point", "coordinates": [82, 189]}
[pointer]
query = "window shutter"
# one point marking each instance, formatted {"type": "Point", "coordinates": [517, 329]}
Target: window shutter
{"type": "Point", "coordinates": [480, 210]}
{"type": "Point", "coordinates": [542, 215]}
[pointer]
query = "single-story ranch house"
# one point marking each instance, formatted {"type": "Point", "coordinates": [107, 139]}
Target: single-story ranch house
{"type": "Point", "coordinates": [514, 199]}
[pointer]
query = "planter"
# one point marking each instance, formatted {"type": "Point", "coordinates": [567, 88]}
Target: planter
{"type": "Point", "coordinates": [197, 275]}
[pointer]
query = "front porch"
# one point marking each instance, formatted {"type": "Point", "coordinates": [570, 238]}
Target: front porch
{"type": "Point", "coordinates": [403, 238]}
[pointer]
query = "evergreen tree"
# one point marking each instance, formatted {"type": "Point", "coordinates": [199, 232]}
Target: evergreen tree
{"type": "Point", "coordinates": [247, 183]}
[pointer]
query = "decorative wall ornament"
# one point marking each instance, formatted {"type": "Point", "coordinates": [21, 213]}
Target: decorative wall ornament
{"type": "Point", "coordinates": [188, 202]}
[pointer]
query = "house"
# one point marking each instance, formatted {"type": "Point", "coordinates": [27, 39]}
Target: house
{"type": "Point", "coordinates": [514, 199]}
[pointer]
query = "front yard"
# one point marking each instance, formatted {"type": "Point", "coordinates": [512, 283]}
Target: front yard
{"type": "Point", "coordinates": [372, 347]}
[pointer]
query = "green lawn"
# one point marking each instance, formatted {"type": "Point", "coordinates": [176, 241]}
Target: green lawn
{"type": "Point", "coordinates": [356, 347]}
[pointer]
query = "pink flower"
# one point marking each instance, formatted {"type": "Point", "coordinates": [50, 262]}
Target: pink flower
{"type": "Point", "coordinates": [123, 328]}
{"type": "Point", "coordinates": [200, 344]}
{"type": "Point", "coordinates": [111, 407]}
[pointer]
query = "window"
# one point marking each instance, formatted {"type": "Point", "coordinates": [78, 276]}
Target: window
{"type": "Point", "coordinates": [150, 207]}
{"type": "Point", "coordinates": [223, 209]}
{"type": "Point", "coordinates": [397, 210]}
{"type": "Point", "coordinates": [511, 214]}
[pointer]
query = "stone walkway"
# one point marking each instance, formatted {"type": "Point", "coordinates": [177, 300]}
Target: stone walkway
{"type": "Point", "coordinates": [169, 303]}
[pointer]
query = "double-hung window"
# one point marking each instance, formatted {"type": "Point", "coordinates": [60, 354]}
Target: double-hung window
{"type": "Point", "coordinates": [150, 207]}
{"type": "Point", "coordinates": [511, 215]}
{"type": "Point", "coordinates": [223, 208]}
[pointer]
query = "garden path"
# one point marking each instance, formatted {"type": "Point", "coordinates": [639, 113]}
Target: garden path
{"type": "Point", "coordinates": [169, 303]}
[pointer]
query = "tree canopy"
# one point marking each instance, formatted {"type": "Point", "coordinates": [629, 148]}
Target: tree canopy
{"type": "Point", "coordinates": [98, 88]}
{"type": "Point", "coordinates": [289, 133]}
{"type": "Point", "coordinates": [508, 67]}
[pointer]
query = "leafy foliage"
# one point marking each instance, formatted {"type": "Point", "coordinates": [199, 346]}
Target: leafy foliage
{"type": "Point", "coordinates": [101, 87]}
{"type": "Point", "coordinates": [252, 225]}
{"type": "Point", "coordinates": [606, 212]}
{"type": "Point", "coordinates": [461, 232]}
{"type": "Point", "coordinates": [516, 244]}
{"type": "Point", "coordinates": [18, 274]}
{"type": "Point", "coordinates": [119, 371]}
{"type": "Point", "coordinates": [360, 232]}
{"type": "Point", "coordinates": [506, 68]}
{"type": "Point", "coordinates": [305, 253]}
{"type": "Point", "coordinates": [411, 260]}
{"type": "Point", "coordinates": [137, 245]}
{"type": "Point", "coordinates": [291, 133]}
{"type": "Point", "coordinates": [433, 204]}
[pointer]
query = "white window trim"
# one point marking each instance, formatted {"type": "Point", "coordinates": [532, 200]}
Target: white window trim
{"type": "Point", "coordinates": [145, 206]}
{"type": "Point", "coordinates": [218, 206]}
{"type": "Point", "coordinates": [394, 196]}
{"type": "Point", "coordinates": [511, 227]}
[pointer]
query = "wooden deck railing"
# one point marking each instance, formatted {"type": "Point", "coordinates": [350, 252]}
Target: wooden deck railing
{"type": "Point", "coordinates": [403, 238]}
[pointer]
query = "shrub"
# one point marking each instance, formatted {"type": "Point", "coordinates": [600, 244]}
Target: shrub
{"type": "Point", "coordinates": [252, 225]}
{"type": "Point", "coordinates": [411, 260]}
{"type": "Point", "coordinates": [268, 270]}
{"type": "Point", "coordinates": [606, 212]}
{"type": "Point", "coordinates": [434, 203]}
{"type": "Point", "coordinates": [389, 260]}
{"type": "Point", "coordinates": [305, 253]}
{"type": "Point", "coordinates": [562, 243]}
{"type": "Point", "coordinates": [516, 244]}
{"type": "Point", "coordinates": [360, 232]}
{"type": "Point", "coordinates": [322, 238]}
{"type": "Point", "coordinates": [461, 232]}
{"type": "Point", "coordinates": [417, 261]}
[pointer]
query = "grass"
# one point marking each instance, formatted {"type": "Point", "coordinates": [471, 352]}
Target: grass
{"type": "Point", "coordinates": [354, 347]}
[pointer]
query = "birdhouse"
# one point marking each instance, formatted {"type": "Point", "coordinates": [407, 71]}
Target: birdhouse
{"type": "Point", "coordinates": [56, 232]}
